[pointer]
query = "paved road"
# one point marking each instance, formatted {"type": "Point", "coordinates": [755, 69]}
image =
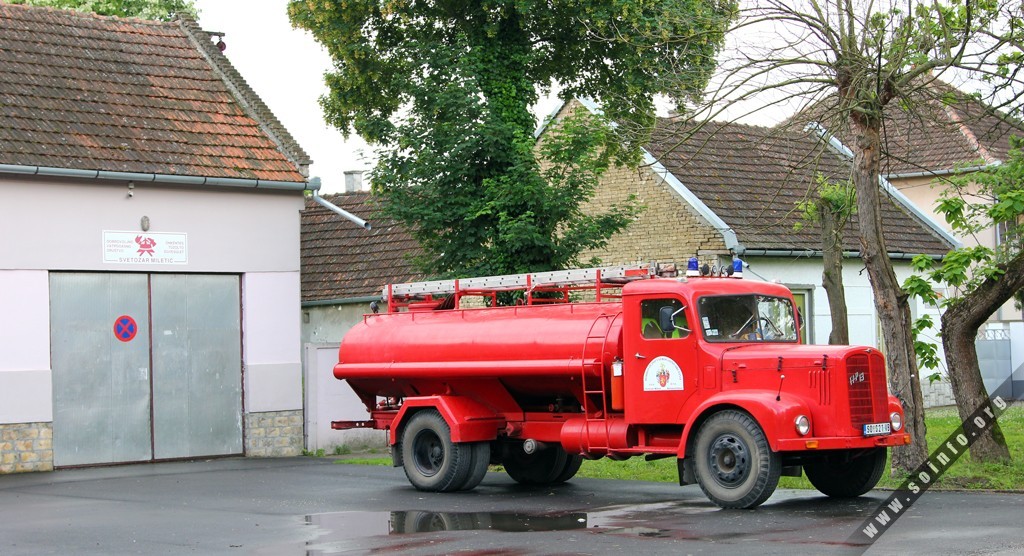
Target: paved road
{"type": "Point", "coordinates": [312, 506]}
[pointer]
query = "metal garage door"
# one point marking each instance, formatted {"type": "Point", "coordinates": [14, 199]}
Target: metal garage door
{"type": "Point", "coordinates": [108, 406]}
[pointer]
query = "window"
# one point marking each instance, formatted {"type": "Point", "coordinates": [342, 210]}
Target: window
{"type": "Point", "coordinates": [802, 300]}
{"type": "Point", "coordinates": [650, 319]}
{"type": "Point", "coordinates": [747, 318]}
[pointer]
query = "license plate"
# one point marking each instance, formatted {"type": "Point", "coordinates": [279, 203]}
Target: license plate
{"type": "Point", "coordinates": [875, 429]}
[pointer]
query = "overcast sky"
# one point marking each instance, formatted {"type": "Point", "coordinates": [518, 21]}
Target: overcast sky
{"type": "Point", "coordinates": [285, 67]}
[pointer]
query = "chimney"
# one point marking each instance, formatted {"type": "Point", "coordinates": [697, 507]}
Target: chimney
{"type": "Point", "coordinates": [353, 181]}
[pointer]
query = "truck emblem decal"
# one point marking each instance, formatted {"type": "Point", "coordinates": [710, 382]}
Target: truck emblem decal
{"type": "Point", "coordinates": [662, 373]}
{"type": "Point", "coordinates": [857, 377]}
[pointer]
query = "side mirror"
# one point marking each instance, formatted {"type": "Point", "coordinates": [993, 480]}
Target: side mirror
{"type": "Point", "coordinates": [666, 319]}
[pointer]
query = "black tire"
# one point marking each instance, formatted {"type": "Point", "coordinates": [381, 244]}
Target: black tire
{"type": "Point", "coordinates": [572, 466]}
{"type": "Point", "coordinates": [542, 467]}
{"type": "Point", "coordinates": [734, 465]}
{"type": "Point", "coordinates": [481, 456]}
{"type": "Point", "coordinates": [846, 475]}
{"type": "Point", "coordinates": [431, 460]}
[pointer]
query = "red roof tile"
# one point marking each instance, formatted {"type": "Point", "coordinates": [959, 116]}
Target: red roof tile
{"type": "Point", "coordinates": [126, 95]}
{"type": "Point", "coordinates": [753, 178]}
{"type": "Point", "coordinates": [341, 260]}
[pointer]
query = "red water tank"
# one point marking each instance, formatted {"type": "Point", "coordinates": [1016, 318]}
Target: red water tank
{"type": "Point", "coordinates": [543, 341]}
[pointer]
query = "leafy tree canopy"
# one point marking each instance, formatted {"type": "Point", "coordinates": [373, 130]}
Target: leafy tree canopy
{"type": "Point", "coordinates": [144, 9]}
{"type": "Point", "coordinates": [446, 89]}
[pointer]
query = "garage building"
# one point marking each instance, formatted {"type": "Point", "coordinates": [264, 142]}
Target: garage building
{"type": "Point", "coordinates": [149, 248]}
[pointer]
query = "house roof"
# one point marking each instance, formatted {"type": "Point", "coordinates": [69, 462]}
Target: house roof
{"type": "Point", "coordinates": [947, 129]}
{"type": "Point", "coordinates": [341, 260]}
{"type": "Point", "coordinates": [89, 92]}
{"type": "Point", "coordinates": [753, 178]}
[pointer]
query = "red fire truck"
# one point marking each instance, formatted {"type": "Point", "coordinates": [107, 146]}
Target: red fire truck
{"type": "Point", "coordinates": [618, 362]}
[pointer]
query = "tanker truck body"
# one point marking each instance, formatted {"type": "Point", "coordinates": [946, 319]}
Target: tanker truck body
{"type": "Point", "coordinates": [707, 370]}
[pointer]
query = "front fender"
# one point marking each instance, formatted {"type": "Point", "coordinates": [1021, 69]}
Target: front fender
{"type": "Point", "coordinates": [469, 420]}
{"type": "Point", "coordinates": [775, 417]}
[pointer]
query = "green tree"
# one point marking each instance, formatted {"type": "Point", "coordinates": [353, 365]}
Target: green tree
{"type": "Point", "coordinates": [445, 88]}
{"type": "Point", "coordinates": [831, 208]}
{"type": "Point", "coordinates": [144, 9]}
{"type": "Point", "coordinates": [979, 280]}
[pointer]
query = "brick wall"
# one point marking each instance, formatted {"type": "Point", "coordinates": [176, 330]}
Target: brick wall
{"type": "Point", "coordinates": [668, 229]}
{"type": "Point", "coordinates": [273, 434]}
{"type": "Point", "coordinates": [26, 447]}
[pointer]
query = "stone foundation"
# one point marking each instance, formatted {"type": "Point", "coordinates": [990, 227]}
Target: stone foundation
{"type": "Point", "coordinates": [26, 447]}
{"type": "Point", "coordinates": [273, 434]}
{"type": "Point", "coordinates": [938, 393]}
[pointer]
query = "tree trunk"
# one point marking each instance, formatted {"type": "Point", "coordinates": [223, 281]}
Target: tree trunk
{"type": "Point", "coordinates": [891, 303]}
{"type": "Point", "coordinates": [832, 276]}
{"type": "Point", "coordinates": [960, 324]}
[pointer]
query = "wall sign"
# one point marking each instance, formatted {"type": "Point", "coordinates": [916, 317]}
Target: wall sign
{"type": "Point", "coordinates": [125, 328]}
{"type": "Point", "coordinates": [145, 248]}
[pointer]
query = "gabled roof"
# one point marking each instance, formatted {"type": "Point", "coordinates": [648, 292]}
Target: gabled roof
{"type": "Point", "coordinates": [946, 130]}
{"type": "Point", "coordinates": [753, 178]}
{"type": "Point", "coordinates": [87, 92]}
{"type": "Point", "coordinates": [341, 260]}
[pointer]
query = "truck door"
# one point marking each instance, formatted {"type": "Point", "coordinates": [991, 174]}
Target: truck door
{"type": "Point", "coordinates": [659, 361]}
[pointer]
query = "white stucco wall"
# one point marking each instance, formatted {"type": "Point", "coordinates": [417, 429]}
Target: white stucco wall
{"type": "Point", "coordinates": [57, 225]}
{"type": "Point", "coordinates": [25, 381]}
{"type": "Point", "coordinates": [270, 328]}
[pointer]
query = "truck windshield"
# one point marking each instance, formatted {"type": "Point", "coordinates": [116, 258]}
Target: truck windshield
{"type": "Point", "coordinates": [747, 318]}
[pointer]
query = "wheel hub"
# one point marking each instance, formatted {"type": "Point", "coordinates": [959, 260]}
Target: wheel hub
{"type": "Point", "coordinates": [729, 460]}
{"type": "Point", "coordinates": [429, 453]}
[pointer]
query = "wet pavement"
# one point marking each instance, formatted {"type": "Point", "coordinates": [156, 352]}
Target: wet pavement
{"type": "Point", "coordinates": [313, 506]}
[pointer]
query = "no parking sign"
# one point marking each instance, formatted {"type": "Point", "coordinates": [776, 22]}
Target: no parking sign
{"type": "Point", "coordinates": [125, 328]}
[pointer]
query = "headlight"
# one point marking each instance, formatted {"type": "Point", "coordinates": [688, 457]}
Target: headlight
{"type": "Point", "coordinates": [803, 425]}
{"type": "Point", "coordinates": [896, 420]}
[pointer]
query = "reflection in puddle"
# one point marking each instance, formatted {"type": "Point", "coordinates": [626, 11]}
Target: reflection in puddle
{"type": "Point", "coordinates": [672, 521]}
{"type": "Point", "coordinates": [419, 521]}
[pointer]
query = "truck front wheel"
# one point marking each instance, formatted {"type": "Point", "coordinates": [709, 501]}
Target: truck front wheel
{"type": "Point", "coordinates": [735, 467]}
{"type": "Point", "coordinates": [842, 475]}
{"type": "Point", "coordinates": [431, 460]}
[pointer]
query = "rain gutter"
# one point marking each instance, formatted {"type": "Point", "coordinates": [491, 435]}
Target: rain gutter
{"type": "Point", "coordinates": [77, 173]}
{"type": "Point", "coordinates": [154, 178]}
{"type": "Point", "coordinates": [341, 301]}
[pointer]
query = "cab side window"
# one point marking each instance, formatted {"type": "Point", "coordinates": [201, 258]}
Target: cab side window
{"type": "Point", "coordinates": [650, 323]}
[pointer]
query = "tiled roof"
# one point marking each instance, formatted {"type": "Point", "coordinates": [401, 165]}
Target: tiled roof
{"type": "Point", "coordinates": [754, 177]}
{"type": "Point", "coordinates": [341, 260]}
{"type": "Point", "coordinates": [125, 95]}
{"type": "Point", "coordinates": [947, 129]}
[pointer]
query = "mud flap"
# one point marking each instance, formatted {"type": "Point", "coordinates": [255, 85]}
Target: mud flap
{"type": "Point", "coordinates": [686, 474]}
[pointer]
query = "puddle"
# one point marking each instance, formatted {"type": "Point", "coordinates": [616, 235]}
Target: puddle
{"type": "Point", "coordinates": [421, 521]}
{"type": "Point", "coordinates": [675, 520]}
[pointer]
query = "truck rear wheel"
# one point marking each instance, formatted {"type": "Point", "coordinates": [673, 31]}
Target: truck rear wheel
{"type": "Point", "coordinates": [431, 460]}
{"type": "Point", "coordinates": [543, 467]}
{"type": "Point", "coordinates": [734, 465]}
{"type": "Point", "coordinates": [481, 456]}
{"type": "Point", "coordinates": [843, 476]}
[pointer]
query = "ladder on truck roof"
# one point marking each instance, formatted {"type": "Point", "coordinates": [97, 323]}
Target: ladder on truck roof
{"type": "Point", "coordinates": [447, 294]}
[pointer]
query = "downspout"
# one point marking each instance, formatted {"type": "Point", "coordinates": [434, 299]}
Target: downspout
{"type": "Point", "coordinates": [314, 187]}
